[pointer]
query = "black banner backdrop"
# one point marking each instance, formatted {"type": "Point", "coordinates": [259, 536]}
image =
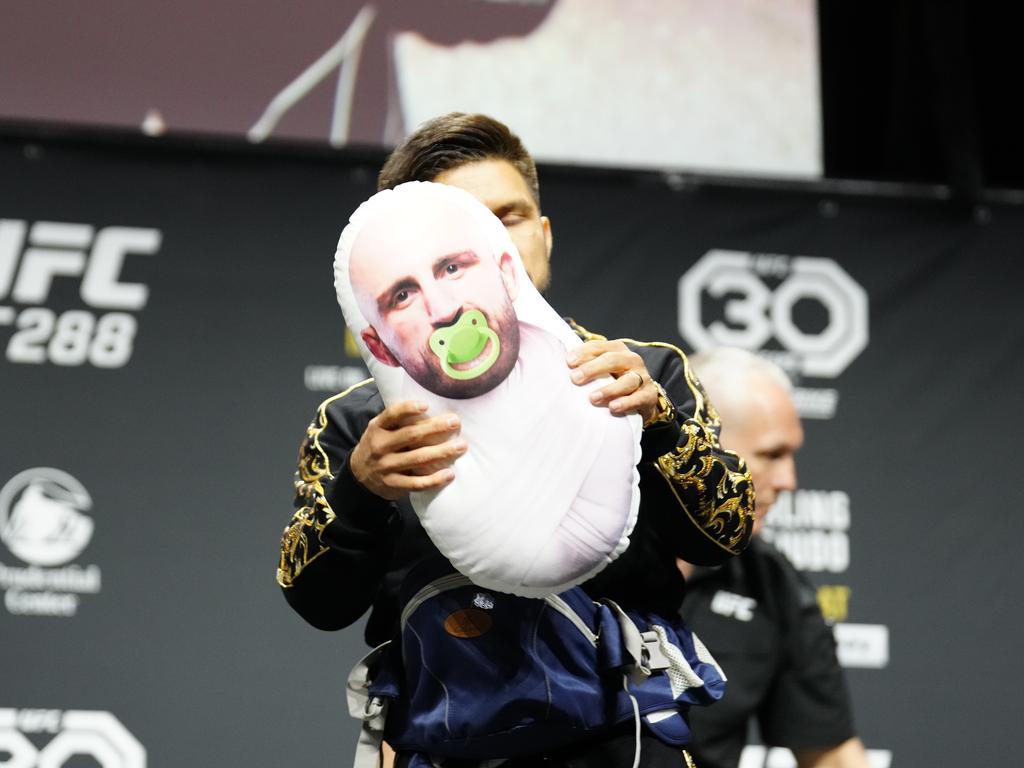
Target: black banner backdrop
{"type": "Point", "coordinates": [168, 325]}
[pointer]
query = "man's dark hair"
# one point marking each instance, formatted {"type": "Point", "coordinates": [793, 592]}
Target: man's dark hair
{"type": "Point", "coordinates": [452, 140]}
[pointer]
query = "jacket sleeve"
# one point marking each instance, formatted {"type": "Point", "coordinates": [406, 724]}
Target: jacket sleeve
{"type": "Point", "coordinates": [338, 545]}
{"type": "Point", "coordinates": [699, 497]}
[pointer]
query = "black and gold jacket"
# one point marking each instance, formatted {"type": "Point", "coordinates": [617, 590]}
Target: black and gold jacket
{"type": "Point", "coordinates": [347, 550]}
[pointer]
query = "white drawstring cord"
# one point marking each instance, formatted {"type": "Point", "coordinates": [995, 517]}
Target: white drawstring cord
{"type": "Point", "coordinates": [636, 720]}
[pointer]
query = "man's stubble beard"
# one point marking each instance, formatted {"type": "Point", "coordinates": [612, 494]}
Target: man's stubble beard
{"type": "Point", "coordinates": [427, 372]}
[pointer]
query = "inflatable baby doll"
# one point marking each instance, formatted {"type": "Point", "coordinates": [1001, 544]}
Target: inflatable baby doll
{"type": "Point", "coordinates": [442, 309]}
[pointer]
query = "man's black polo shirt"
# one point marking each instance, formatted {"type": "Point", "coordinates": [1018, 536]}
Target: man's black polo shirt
{"type": "Point", "coordinates": [760, 619]}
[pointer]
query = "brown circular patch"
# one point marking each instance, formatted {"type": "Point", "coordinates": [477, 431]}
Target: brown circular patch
{"type": "Point", "coordinates": [467, 623]}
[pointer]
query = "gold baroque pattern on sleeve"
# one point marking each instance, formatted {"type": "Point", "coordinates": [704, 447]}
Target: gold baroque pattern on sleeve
{"type": "Point", "coordinates": [302, 542]}
{"type": "Point", "coordinates": [692, 470]}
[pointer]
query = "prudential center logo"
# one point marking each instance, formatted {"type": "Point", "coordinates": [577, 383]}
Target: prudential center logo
{"type": "Point", "coordinates": [43, 522]}
{"type": "Point", "coordinates": [42, 518]}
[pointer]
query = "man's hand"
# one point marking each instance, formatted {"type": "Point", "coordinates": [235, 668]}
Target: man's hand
{"type": "Point", "coordinates": [402, 450]}
{"type": "Point", "coordinates": [849, 754]}
{"type": "Point", "coordinates": [632, 391]}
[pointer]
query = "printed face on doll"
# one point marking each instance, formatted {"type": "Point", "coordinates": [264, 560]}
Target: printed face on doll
{"type": "Point", "coordinates": [438, 302]}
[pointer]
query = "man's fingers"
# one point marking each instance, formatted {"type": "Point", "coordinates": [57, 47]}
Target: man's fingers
{"type": "Point", "coordinates": [402, 442]}
{"type": "Point", "coordinates": [408, 483]}
{"type": "Point", "coordinates": [403, 426]}
{"type": "Point", "coordinates": [594, 350]}
{"type": "Point", "coordinates": [617, 360]}
{"type": "Point", "coordinates": [594, 359]}
{"type": "Point", "coordinates": [632, 390]}
{"type": "Point", "coordinates": [400, 414]}
{"type": "Point", "coordinates": [432, 431]}
{"type": "Point", "coordinates": [608, 364]}
{"type": "Point", "coordinates": [643, 401]}
{"type": "Point", "coordinates": [426, 459]}
{"type": "Point", "coordinates": [627, 395]}
{"type": "Point", "coordinates": [591, 349]}
{"type": "Point", "coordinates": [625, 386]}
{"type": "Point", "coordinates": [384, 470]}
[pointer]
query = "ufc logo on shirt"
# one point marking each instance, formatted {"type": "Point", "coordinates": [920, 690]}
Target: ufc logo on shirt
{"type": "Point", "coordinates": [733, 605]}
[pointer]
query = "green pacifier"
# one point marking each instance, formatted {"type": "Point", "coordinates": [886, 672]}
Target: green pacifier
{"type": "Point", "coordinates": [462, 343]}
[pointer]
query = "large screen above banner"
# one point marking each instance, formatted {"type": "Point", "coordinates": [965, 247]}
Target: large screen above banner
{"type": "Point", "coordinates": [679, 84]}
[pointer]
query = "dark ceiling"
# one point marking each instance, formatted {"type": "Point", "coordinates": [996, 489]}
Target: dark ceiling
{"type": "Point", "coordinates": [923, 92]}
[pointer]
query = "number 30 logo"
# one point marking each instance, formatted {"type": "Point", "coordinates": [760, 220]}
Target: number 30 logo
{"type": "Point", "coordinates": [752, 313]}
{"type": "Point", "coordinates": [99, 735]}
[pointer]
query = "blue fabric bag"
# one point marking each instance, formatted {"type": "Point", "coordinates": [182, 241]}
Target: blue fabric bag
{"type": "Point", "coordinates": [480, 674]}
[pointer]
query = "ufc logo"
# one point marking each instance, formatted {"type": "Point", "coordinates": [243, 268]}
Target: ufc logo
{"type": "Point", "coordinates": [50, 249]}
{"type": "Point", "coordinates": [730, 604]}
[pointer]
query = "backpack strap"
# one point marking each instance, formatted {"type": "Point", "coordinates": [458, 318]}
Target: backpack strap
{"type": "Point", "coordinates": [372, 710]}
{"type": "Point", "coordinates": [643, 656]}
{"type": "Point", "coordinates": [642, 648]}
